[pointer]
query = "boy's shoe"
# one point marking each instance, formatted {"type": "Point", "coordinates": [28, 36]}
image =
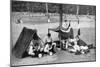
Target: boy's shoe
{"type": "Point", "coordinates": [78, 53]}
{"type": "Point", "coordinates": [40, 55]}
{"type": "Point", "coordinates": [87, 51]}
{"type": "Point", "coordinates": [91, 46]}
{"type": "Point", "coordinates": [50, 53]}
{"type": "Point", "coordinates": [71, 51]}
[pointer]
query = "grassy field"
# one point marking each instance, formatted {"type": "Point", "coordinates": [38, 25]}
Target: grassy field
{"type": "Point", "coordinates": [87, 26]}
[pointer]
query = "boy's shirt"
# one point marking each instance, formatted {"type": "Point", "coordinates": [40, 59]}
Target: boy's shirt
{"type": "Point", "coordinates": [78, 42]}
{"type": "Point", "coordinates": [65, 27]}
{"type": "Point", "coordinates": [47, 39]}
{"type": "Point", "coordinates": [30, 50]}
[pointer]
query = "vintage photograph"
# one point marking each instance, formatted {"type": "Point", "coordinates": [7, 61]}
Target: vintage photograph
{"type": "Point", "coordinates": [51, 33]}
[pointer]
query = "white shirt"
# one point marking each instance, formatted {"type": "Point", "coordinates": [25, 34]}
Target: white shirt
{"type": "Point", "coordinates": [65, 26]}
{"type": "Point", "coordinates": [30, 50]}
{"type": "Point", "coordinates": [47, 39]}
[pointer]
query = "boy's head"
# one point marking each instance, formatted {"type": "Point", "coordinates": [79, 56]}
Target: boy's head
{"type": "Point", "coordinates": [49, 35]}
{"type": "Point", "coordinates": [67, 23]}
{"type": "Point", "coordinates": [65, 20]}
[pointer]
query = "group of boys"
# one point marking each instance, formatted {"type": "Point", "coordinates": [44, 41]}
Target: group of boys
{"type": "Point", "coordinates": [74, 45]}
{"type": "Point", "coordinates": [38, 49]}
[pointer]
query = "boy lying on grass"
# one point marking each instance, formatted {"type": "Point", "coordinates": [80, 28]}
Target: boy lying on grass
{"type": "Point", "coordinates": [77, 46]}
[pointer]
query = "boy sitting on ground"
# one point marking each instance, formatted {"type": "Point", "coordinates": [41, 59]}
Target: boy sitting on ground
{"type": "Point", "coordinates": [48, 44]}
{"type": "Point", "coordinates": [79, 45]}
{"type": "Point", "coordinates": [31, 49]}
{"type": "Point", "coordinates": [34, 49]}
{"type": "Point", "coordinates": [73, 47]}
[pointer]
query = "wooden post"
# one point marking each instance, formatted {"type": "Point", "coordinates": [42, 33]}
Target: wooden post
{"type": "Point", "coordinates": [60, 23]}
{"type": "Point", "coordinates": [46, 8]}
{"type": "Point", "coordinates": [88, 13]}
{"type": "Point", "coordinates": [77, 13]}
{"type": "Point", "coordinates": [61, 14]}
{"type": "Point", "coordinates": [47, 13]}
{"type": "Point", "coordinates": [28, 9]}
{"type": "Point", "coordinates": [77, 10]}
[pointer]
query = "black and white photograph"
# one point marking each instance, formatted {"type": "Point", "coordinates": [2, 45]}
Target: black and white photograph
{"type": "Point", "coordinates": [45, 33]}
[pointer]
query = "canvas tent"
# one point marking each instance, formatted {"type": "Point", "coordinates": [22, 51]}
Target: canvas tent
{"type": "Point", "coordinates": [23, 41]}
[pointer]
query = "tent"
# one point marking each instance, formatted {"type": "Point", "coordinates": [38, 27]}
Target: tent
{"type": "Point", "coordinates": [23, 41]}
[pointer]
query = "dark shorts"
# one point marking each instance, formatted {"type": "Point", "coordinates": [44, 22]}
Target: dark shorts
{"type": "Point", "coordinates": [50, 43]}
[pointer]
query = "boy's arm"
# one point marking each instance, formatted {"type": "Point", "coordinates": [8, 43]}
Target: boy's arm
{"type": "Point", "coordinates": [51, 39]}
{"type": "Point", "coordinates": [44, 40]}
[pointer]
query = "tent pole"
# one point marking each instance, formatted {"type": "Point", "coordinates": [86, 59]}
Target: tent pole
{"type": "Point", "coordinates": [60, 23]}
{"type": "Point", "coordinates": [61, 14]}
